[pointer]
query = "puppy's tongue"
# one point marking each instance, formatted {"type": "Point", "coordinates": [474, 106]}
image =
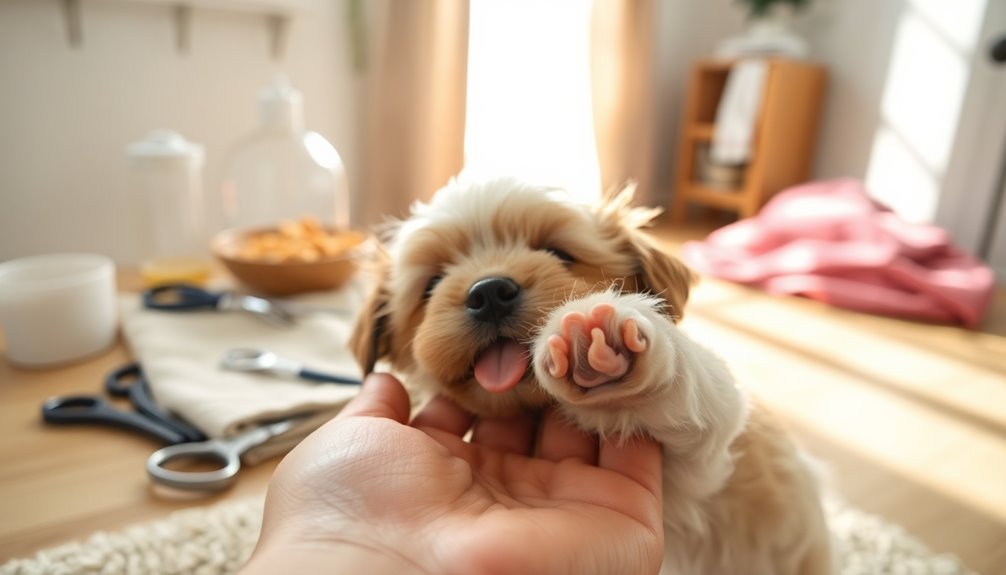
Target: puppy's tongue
{"type": "Point", "coordinates": [500, 367]}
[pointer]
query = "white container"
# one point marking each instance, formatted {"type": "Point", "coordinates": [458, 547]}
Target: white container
{"type": "Point", "coordinates": [57, 308]}
{"type": "Point", "coordinates": [166, 173]}
{"type": "Point", "coordinates": [282, 171]}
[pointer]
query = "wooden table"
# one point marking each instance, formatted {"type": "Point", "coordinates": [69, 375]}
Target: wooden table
{"type": "Point", "coordinates": [59, 484]}
{"type": "Point", "coordinates": [910, 419]}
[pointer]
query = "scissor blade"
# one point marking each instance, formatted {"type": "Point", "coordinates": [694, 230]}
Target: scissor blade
{"type": "Point", "coordinates": [302, 308]}
{"type": "Point", "coordinates": [266, 309]}
{"type": "Point", "coordinates": [281, 427]}
{"type": "Point", "coordinates": [257, 435]}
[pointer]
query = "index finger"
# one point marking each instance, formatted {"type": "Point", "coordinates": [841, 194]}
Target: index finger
{"type": "Point", "coordinates": [381, 396]}
{"type": "Point", "coordinates": [443, 414]}
{"type": "Point", "coordinates": [638, 458]}
{"type": "Point", "coordinates": [559, 439]}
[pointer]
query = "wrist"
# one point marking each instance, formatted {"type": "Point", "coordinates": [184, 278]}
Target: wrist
{"type": "Point", "coordinates": [328, 557]}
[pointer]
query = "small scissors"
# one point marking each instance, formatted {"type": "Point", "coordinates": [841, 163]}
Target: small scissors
{"type": "Point", "coordinates": [225, 451]}
{"type": "Point", "coordinates": [242, 359]}
{"type": "Point", "coordinates": [185, 297]}
{"type": "Point", "coordinates": [146, 417]}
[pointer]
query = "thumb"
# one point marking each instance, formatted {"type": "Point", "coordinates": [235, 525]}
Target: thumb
{"type": "Point", "coordinates": [381, 396]}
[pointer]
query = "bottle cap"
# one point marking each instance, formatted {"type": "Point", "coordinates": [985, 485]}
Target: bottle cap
{"type": "Point", "coordinates": [165, 146]}
{"type": "Point", "coordinates": [281, 106]}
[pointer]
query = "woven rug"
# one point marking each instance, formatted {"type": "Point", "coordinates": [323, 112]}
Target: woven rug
{"type": "Point", "coordinates": [217, 540]}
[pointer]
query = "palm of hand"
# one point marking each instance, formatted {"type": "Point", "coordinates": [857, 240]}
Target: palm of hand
{"type": "Point", "coordinates": [440, 501]}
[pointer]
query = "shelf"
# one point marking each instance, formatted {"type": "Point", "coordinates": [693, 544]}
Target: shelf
{"type": "Point", "coordinates": [277, 14]}
{"type": "Point", "coordinates": [703, 132]}
{"type": "Point", "coordinates": [721, 65]}
{"type": "Point", "coordinates": [782, 144]}
{"type": "Point", "coordinates": [729, 199]}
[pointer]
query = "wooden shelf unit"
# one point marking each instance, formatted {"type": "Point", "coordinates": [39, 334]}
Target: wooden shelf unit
{"type": "Point", "coordinates": [783, 141]}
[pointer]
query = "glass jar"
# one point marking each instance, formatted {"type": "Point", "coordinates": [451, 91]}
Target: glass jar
{"type": "Point", "coordinates": [166, 172]}
{"type": "Point", "coordinates": [282, 171]}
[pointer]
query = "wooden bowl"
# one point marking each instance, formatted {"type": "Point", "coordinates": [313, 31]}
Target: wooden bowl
{"type": "Point", "coordinates": [286, 277]}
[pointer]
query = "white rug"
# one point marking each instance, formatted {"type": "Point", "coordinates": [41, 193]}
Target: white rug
{"type": "Point", "coordinates": [217, 540]}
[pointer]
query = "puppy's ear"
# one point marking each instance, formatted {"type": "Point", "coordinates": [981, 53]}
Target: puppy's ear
{"type": "Point", "coordinates": [660, 273]}
{"type": "Point", "coordinates": [369, 341]}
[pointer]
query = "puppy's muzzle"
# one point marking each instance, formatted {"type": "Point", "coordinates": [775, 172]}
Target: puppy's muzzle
{"type": "Point", "coordinates": [491, 300]}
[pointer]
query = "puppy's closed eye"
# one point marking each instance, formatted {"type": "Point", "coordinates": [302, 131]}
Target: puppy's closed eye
{"type": "Point", "coordinates": [562, 255]}
{"type": "Point", "coordinates": [430, 285]}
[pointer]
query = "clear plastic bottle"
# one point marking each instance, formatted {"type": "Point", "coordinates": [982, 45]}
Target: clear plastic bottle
{"type": "Point", "coordinates": [282, 171]}
{"type": "Point", "coordinates": [166, 173]}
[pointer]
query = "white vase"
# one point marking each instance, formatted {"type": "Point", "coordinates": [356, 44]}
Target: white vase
{"type": "Point", "coordinates": [768, 35]}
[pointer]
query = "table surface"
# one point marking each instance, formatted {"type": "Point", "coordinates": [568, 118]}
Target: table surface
{"type": "Point", "coordinates": [62, 483]}
{"type": "Point", "coordinates": [908, 417]}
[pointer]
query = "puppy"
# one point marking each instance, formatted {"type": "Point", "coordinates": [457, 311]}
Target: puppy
{"type": "Point", "coordinates": [507, 297]}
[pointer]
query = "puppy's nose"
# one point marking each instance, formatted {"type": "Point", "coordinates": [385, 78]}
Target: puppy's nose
{"type": "Point", "coordinates": [491, 300]}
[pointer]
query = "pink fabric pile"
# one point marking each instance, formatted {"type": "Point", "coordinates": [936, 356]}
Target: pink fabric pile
{"type": "Point", "coordinates": [829, 241]}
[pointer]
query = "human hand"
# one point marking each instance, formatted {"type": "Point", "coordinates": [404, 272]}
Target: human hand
{"type": "Point", "coordinates": [366, 491]}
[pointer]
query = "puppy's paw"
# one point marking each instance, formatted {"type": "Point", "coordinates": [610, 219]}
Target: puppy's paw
{"type": "Point", "coordinates": [604, 349]}
{"type": "Point", "coordinates": [596, 347]}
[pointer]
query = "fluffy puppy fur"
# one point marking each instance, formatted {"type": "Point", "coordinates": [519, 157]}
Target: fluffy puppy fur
{"type": "Point", "coordinates": [507, 297]}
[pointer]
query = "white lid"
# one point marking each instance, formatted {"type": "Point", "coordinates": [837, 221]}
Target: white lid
{"type": "Point", "coordinates": [281, 106]}
{"type": "Point", "coordinates": [165, 146]}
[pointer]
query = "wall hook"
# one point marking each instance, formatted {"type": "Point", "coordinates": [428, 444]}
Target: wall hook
{"type": "Point", "coordinates": [183, 27]}
{"type": "Point", "coordinates": [279, 28]}
{"type": "Point", "coordinates": [74, 23]}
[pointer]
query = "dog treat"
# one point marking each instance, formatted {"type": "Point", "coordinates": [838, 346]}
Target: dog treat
{"type": "Point", "coordinates": [304, 240]}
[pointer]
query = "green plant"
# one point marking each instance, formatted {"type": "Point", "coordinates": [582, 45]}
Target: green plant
{"type": "Point", "coordinates": [759, 8]}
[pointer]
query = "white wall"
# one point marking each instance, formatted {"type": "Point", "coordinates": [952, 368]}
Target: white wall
{"type": "Point", "coordinates": [853, 38]}
{"type": "Point", "coordinates": [66, 114]}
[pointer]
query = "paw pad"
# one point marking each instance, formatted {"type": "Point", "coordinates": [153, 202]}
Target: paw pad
{"type": "Point", "coordinates": [594, 348]}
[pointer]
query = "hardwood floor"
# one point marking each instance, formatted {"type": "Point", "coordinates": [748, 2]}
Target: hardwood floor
{"type": "Point", "coordinates": [909, 419]}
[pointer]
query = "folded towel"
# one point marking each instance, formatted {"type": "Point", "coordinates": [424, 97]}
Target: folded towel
{"type": "Point", "coordinates": [737, 112]}
{"type": "Point", "coordinates": [831, 242]}
{"type": "Point", "coordinates": [180, 354]}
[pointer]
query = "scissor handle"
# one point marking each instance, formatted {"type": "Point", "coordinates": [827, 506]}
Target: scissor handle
{"type": "Point", "coordinates": [322, 377]}
{"type": "Point", "coordinates": [129, 380]}
{"type": "Point", "coordinates": [75, 409]}
{"type": "Point", "coordinates": [121, 380]}
{"type": "Point", "coordinates": [180, 297]}
{"type": "Point", "coordinates": [213, 450]}
{"type": "Point", "coordinates": [139, 395]}
{"type": "Point", "coordinates": [226, 451]}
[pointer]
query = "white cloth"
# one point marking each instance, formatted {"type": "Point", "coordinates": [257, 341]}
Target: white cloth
{"type": "Point", "coordinates": [180, 354]}
{"type": "Point", "coordinates": [737, 112]}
